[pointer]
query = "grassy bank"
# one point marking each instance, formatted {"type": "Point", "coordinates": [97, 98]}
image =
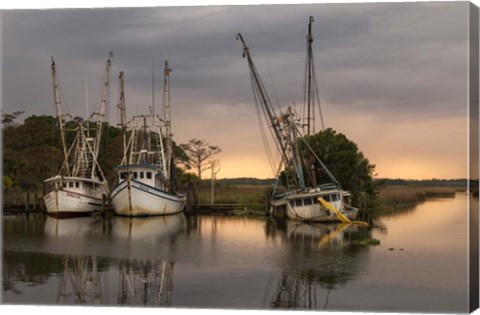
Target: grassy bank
{"type": "Point", "coordinates": [250, 197]}
{"type": "Point", "coordinates": [394, 197]}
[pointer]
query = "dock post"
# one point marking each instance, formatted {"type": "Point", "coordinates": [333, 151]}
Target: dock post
{"type": "Point", "coordinates": [34, 201]}
{"type": "Point", "coordinates": [104, 201]}
{"type": "Point", "coordinates": [27, 202]}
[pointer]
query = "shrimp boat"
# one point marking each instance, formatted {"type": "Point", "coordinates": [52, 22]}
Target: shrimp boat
{"type": "Point", "coordinates": [296, 191]}
{"type": "Point", "coordinates": [146, 179]}
{"type": "Point", "coordinates": [80, 186]}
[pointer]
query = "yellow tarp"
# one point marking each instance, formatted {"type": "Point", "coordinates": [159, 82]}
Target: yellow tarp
{"type": "Point", "coordinates": [340, 216]}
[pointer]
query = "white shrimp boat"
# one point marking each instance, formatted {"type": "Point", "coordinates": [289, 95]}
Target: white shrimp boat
{"type": "Point", "coordinates": [80, 186]}
{"type": "Point", "coordinates": [146, 180]}
{"type": "Point", "coordinates": [302, 198]}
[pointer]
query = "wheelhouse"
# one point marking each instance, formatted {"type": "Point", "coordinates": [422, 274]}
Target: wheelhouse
{"type": "Point", "coordinates": [311, 200]}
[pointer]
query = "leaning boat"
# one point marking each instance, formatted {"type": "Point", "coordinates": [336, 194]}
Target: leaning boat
{"type": "Point", "coordinates": [146, 179]}
{"type": "Point", "coordinates": [80, 186]}
{"type": "Point", "coordinates": [302, 198]}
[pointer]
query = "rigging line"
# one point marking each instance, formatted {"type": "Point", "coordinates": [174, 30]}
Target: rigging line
{"type": "Point", "coordinates": [273, 85]}
{"type": "Point", "coordinates": [317, 96]}
{"type": "Point", "coordinates": [320, 161]}
{"type": "Point", "coordinates": [262, 127]}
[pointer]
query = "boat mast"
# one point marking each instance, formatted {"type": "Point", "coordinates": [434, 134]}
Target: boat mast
{"type": "Point", "coordinates": [310, 108]}
{"type": "Point", "coordinates": [101, 112]}
{"type": "Point", "coordinates": [283, 126]}
{"type": "Point", "coordinates": [311, 88]}
{"type": "Point", "coordinates": [259, 90]}
{"type": "Point", "coordinates": [60, 115]}
{"type": "Point", "coordinates": [167, 121]}
{"type": "Point", "coordinates": [122, 109]}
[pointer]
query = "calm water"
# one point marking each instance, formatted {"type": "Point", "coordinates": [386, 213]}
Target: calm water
{"type": "Point", "coordinates": [242, 263]}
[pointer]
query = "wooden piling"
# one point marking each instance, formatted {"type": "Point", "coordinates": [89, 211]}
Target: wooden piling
{"type": "Point", "coordinates": [27, 202]}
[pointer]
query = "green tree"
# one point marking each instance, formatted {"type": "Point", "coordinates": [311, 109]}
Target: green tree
{"type": "Point", "coordinates": [344, 160]}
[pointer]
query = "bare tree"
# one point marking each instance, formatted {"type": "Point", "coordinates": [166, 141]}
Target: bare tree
{"type": "Point", "coordinates": [198, 151]}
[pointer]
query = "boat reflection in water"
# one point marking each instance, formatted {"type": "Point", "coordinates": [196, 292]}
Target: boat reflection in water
{"type": "Point", "coordinates": [147, 283]}
{"type": "Point", "coordinates": [138, 229]}
{"type": "Point", "coordinates": [145, 280]}
{"type": "Point", "coordinates": [72, 227]}
{"type": "Point", "coordinates": [139, 250]}
{"type": "Point", "coordinates": [320, 259]}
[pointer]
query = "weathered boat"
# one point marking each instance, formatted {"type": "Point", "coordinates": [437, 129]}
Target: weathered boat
{"type": "Point", "coordinates": [146, 179]}
{"type": "Point", "coordinates": [301, 197]}
{"type": "Point", "coordinates": [80, 186]}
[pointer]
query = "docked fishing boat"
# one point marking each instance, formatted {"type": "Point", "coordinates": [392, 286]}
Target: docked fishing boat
{"type": "Point", "coordinates": [146, 175]}
{"type": "Point", "coordinates": [80, 186]}
{"type": "Point", "coordinates": [297, 191]}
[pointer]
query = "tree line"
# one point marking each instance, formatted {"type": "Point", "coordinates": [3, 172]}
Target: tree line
{"type": "Point", "coordinates": [32, 152]}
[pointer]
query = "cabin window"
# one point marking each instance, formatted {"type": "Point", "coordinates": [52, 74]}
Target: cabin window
{"type": "Point", "coordinates": [334, 198]}
{"type": "Point", "coordinates": [77, 184]}
{"type": "Point", "coordinates": [307, 201]}
{"type": "Point", "coordinates": [315, 200]}
{"type": "Point", "coordinates": [327, 198]}
{"type": "Point", "coordinates": [122, 175]}
{"type": "Point", "coordinates": [135, 175]}
{"type": "Point", "coordinates": [292, 203]}
{"type": "Point", "coordinates": [70, 184]}
{"type": "Point", "coordinates": [298, 202]}
{"type": "Point", "coordinates": [141, 175]}
{"type": "Point", "coordinates": [149, 175]}
{"type": "Point", "coordinates": [64, 184]}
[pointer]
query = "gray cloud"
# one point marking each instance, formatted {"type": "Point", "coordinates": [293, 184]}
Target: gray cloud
{"type": "Point", "coordinates": [392, 60]}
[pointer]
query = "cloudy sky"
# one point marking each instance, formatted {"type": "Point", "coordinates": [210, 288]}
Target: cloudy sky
{"type": "Point", "coordinates": [392, 76]}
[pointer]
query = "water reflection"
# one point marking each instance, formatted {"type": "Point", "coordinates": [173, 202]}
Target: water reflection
{"type": "Point", "coordinates": [80, 282]}
{"type": "Point", "coordinates": [320, 258]}
{"type": "Point", "coordinates": [145, 283]}
{"type": "Point", "coordinates": [154, 228]}
{"type": "Point", "coordinates": [241, 262]}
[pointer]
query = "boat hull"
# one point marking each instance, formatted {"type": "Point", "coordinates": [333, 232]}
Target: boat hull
{"type": "Point", "coordinates": [315, 213]}
{"type": "Point", "coordinates": [297, 207]}
{"type": "Point", "coordinates": [135, 199]}
{"type": "Point", "coordinates": [64, 203]}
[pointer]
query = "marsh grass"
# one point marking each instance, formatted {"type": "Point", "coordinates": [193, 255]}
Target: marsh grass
{"type": "Point", "coordinates": [398, 196]}
{"type": "Point", "coordinates": [250, 197]}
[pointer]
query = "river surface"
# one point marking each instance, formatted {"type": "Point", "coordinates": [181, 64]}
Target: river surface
{"type": "Point", "coordinates": [419, 265]}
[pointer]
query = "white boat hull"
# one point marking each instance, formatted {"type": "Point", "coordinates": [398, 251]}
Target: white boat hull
{"type": "Point", "coordinates": [132, 198]}
{"type": "Point", "coordinates": [305, 206]}
{"type": "Point", "coordinates": [315, 213]}
{"type": "Point", "coordinates": [64, 203]}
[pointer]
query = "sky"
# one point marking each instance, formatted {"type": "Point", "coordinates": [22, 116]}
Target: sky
{"type": "Point", "coordinates": [392, 76]}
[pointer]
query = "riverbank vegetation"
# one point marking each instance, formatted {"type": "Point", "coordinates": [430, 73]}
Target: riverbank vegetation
{"type": "Point", "coordinates": [252, 198]}
{"type": "Point", "coordinates": [32, 152]}
{"type": "Point", "coordinates": [392, 197]}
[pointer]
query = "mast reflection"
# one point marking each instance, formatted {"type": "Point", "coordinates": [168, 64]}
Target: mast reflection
{"type": "Point", "coordinates": [320, 258]}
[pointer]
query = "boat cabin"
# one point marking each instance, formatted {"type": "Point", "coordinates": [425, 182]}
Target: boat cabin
{"type": "Point", "coordinates": [310, 200]}
{"type": "Point", "coordinates": [78, 185]}
{"type": "Point", "coordinates": [145, 174]}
